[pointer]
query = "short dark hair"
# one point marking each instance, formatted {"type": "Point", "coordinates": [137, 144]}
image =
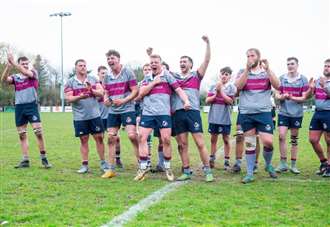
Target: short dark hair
{"type": "Point", "coordinates": [255, 50]}
{"type": "Point", "coordinates": [327, 61]}
{"type": "Point", "coordinates": [101, 68]}
{"type": "Point", "coordinates": [23, 58]}
{"type": "Point", "coordinates": [79, 60]}
{"type": "Point", "coordinates": [112, 52]}
{"type": "Point", "coordinates": [226, 69]}
{"type": "Point", "coordinates": [189, 59]}
{"type": "Point", "coordinates": [166, 65]}
{"type": "Point", "coordinates": [292, 59]}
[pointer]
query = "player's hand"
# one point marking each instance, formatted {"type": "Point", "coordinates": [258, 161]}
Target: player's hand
{"type": "Point", "coordinates": [83, 95]}
{"type": "Point", "coordinates": [187, 105]}
{"type": "Point", "coordinates": [249, 65]}
{"type": "Point", "coordinates": [311, 83]}
{"type": "Point", "coordinates": [264, 64]}
{"type": "Point", "coordinates": [11, 59]}
{"type": "Point", "coordinates": [107, 102]}
{"type": "Point", "coordinates": [118, 102]}
{"type": "Point", "coordinates": [218, 86]}
{"type": "Point", "coordinates": [149, 51]}
{"type": "Point", "coordinates": [206, 39]}
{"type": "Point", "coordinates": [157, 80]}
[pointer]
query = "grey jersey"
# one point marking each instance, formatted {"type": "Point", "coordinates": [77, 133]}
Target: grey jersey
{"type": "Point", "coordinates": [119, 87]}
{"type": "Point", "coordinates": [322, 95]}
{"type": "Point", "coordinates": [157, 102]}
{"type": "Point", "coordinates": [84, 109]}
{"type": "Point", "coordinates": [191, 85]}
{"type": "Point", "coordinates": [104, 110]}
{"type": "Point", "coordinates": [25, 88]}
{"type": "Point", "coordinates": [255, 95]}
{"type": "Point", "coordinates": [220, 111]}
{"type": "Point", "coordinates": [296, 88]}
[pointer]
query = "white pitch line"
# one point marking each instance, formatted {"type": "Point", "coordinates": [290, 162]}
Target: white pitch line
{"type": "Point", "coordinates": [145, 203]}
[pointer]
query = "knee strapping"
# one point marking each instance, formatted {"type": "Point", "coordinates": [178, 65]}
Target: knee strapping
{"type": "Point", "coordinates": [22, 133]}
{"type": "Point", "coordinates": [294, 140]}
{"type": "Point", "coordinates": [250, 143]}
{"type": "Point", "coordinates": [37, 131]}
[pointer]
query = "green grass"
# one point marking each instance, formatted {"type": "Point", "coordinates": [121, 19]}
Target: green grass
{"type": "Point", "coordinates": [60, 197]}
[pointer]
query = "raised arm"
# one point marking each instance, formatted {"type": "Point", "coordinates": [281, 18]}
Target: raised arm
{"type": "Point", "coordinates": [5, 74]}
{"type": "Point", "coordinates": [242, 79]}
{"type": "Point", "coordinates": [20, 68]}
{"type": "Point", "coordinates": [202, 69]}
{"type": "Point", "coordinates": [274, 81]}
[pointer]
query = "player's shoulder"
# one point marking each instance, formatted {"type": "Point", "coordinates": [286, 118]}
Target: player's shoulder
{"type": "Point", "coordinates": [303, 78]}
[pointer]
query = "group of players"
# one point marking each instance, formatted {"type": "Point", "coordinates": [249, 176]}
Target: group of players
{"type": "Point", "coordinates": [168, 104]}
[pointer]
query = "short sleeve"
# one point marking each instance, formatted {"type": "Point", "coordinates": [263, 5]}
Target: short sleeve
{"type": "Point", "coordinates": [131, 78]}
{"type": "Point", "coordinates": [172, 81]}
{"type": "Point", "coordinates": [68, 86]}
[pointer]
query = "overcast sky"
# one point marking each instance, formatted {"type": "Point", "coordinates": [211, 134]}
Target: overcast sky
{"type": "Point", "coordinates": [279, 28]}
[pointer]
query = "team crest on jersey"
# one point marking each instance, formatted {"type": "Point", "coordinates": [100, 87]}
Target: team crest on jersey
{"type": "Point", "coordinates": [325, 126]}
{"type": "Point", "coordinates": [34, 118]}
{"type": "Point", "coordinates": [196, 125]}
{"type": "Point", "coordinates": [220, 129]}
{"type": "Point", "coordinates": [297, 123]}
{"type": "Point", "coordinates": [268, 127]}
{"type": "Point", "coordinates": [128, 120]}
{"type": "Point", "coordinates": [164, 123]}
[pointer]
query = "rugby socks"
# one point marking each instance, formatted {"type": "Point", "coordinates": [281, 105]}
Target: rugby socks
{"type": "Point", "coordinates": [324, 161]}
{"type": "Point", "coordinates": [187, 170]}
{"type": "Point", "coordinates": [212, 157]}
{"type": "Point", "coordinates": [84, 163]}
{"type": "Point", "coordinates": [293, 162]}
{"type": "Point", "coordinates": [268, 155]}
{"type": "Point", "coordinates": [238, 161]}
{"type": "Point", "coordinates": [143, 162]}
{"type": "Point", "coordinates": [227, 159]}
{"type": "Point", "coordinates": [167, 162]}
{"type": "Point", "coordinates": [25, 158]}
{"type": "Point", "coordinates": [250, 157]}
{"type": "Point", "coordinates": [118, 149]}
{"type": "Point", "coordinates": [42, 154]}
{"type": "Point", "coordinates": [160, 155]}
{"type": "Point", "coordinates": [206, 170]}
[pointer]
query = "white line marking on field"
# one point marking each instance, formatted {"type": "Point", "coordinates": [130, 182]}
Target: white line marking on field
{"type": "Point", "coordinates": [150, 200]}
{"type": "Point", "coordinates": [143, 205]}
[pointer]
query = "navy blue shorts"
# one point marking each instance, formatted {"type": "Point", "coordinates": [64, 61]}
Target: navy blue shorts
{"type": "Point", "coordinates": [116, 120]}
{"type": "Point", "coordinates": [290, 122]}
{"type": "Point", "coordinates": [104, 123]}
{"type": "Point", "coordinates": [86, 127]}
{"type": "Point", "coordinates": [262, 122]}
{"type": "Point", "coordinates": [219, 129]}
{"type": "Point", "coordinates": [156, 122]}
{"type": "Point", "coordinates": [27, 112]}
{"type": "Point", "coordinates": [156, 132]}
{"type": "Point", "coordinates": [187, 121]}
{"type": "Point", "coordinates": [239, 119]}
{"type": "Point", "coordinates": [320, 121]}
